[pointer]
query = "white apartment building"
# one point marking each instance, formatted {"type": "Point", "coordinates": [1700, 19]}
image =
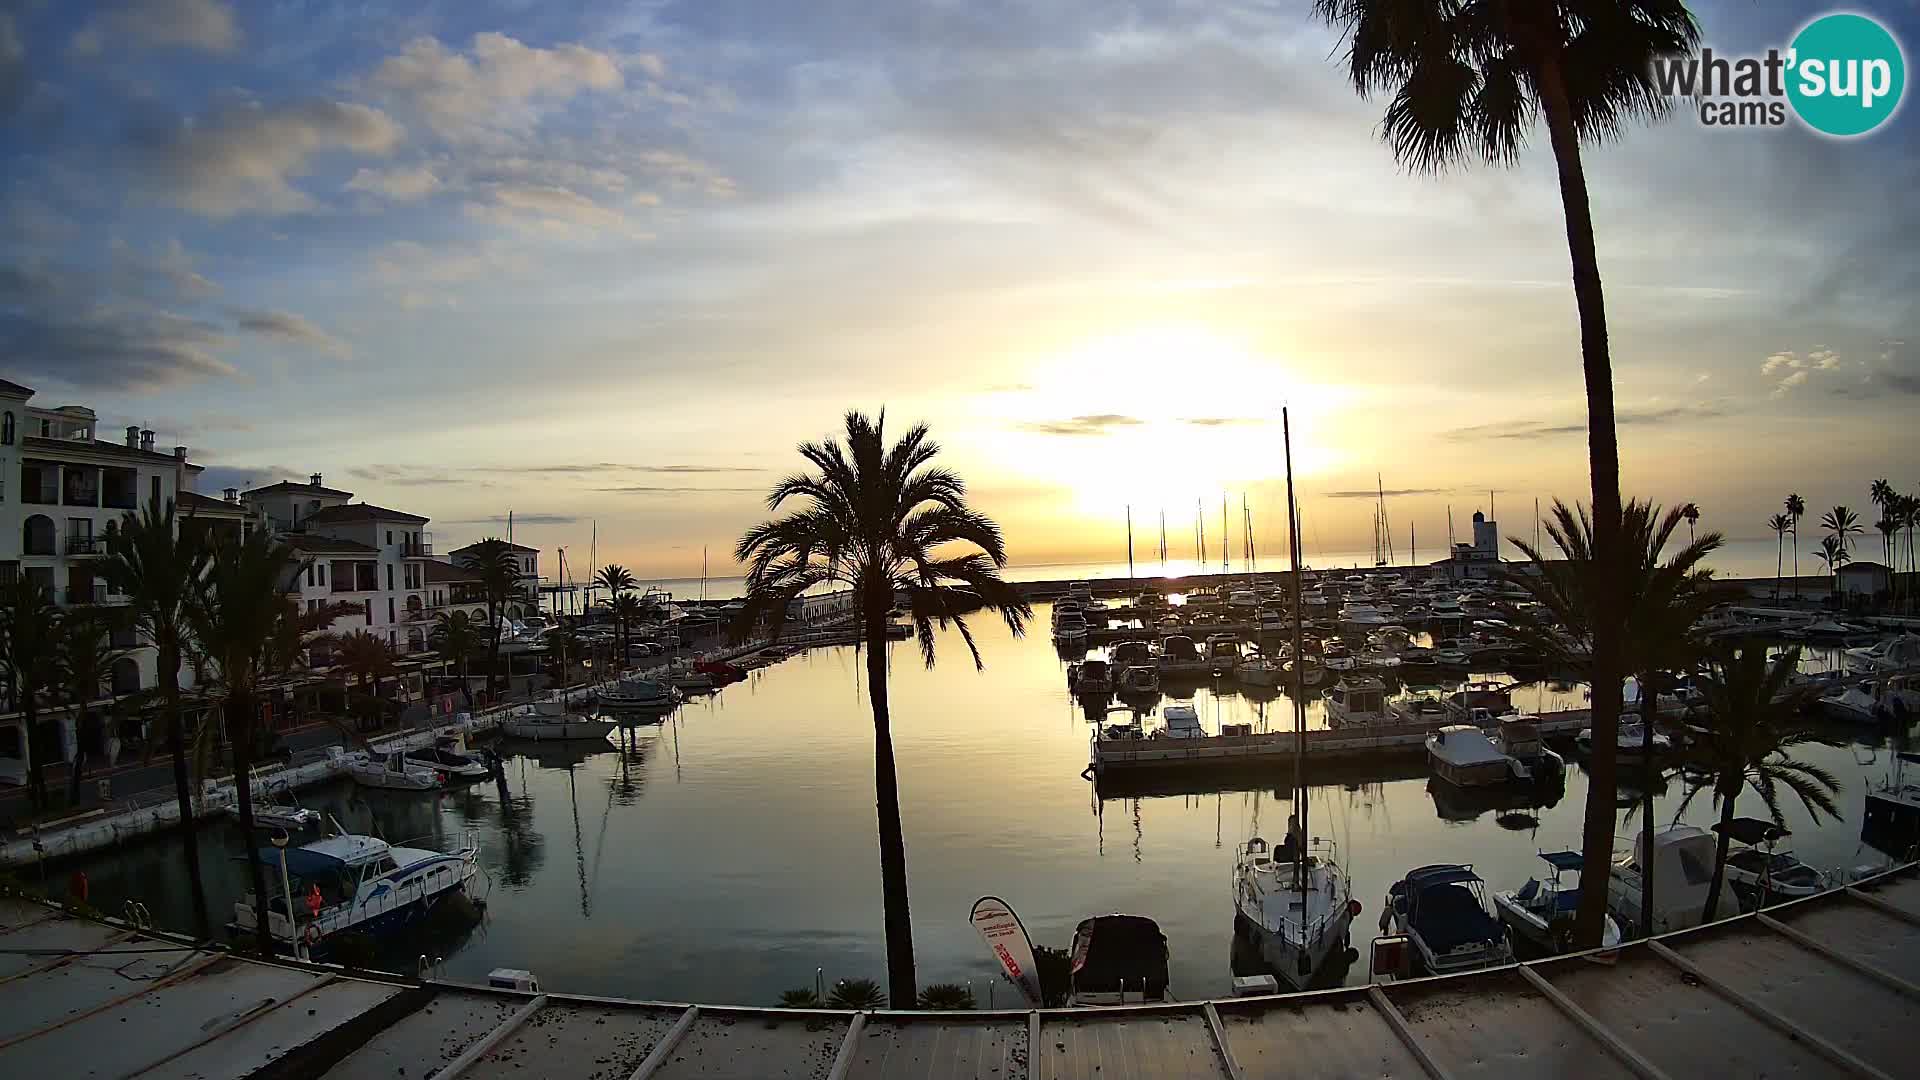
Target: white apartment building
{"type": "Point", "coordinates": [361, 554]}
{"type": "Point", "coordinates": [528, 561]}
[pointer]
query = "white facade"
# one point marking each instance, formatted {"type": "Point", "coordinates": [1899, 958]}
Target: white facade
{"type": "Point", "coordinates": [528, 561]}
{"type": "Point", "coordinates": [368, 556]}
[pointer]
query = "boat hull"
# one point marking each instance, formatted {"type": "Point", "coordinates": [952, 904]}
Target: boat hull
{"type": "Point", "coordinates": [535, 730]}
{"type": "Point", "coordinates": [1475, 774]}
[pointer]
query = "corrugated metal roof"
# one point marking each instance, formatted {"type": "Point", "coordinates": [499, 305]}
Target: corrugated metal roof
{"type": "Point", "coordinates": [1828, 986]}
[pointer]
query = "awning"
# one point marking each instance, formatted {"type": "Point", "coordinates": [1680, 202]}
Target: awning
{"type": "Point", "coordinates": [1562, 860]}
{"type": "Point", "coordinates": [303, 862]}
{"type": "Point", "coordinates": [1428, 876]}
{"type": "Point", "coordinates": [1751, 830]}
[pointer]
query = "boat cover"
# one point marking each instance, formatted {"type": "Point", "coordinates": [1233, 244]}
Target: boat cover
{"type": "Point", "coordinates": [303, 862]}
{"type": "Point", "coordinates": [1562, 860]}
{"type": "Point", "coordinates": [1110, 949]}
{"type": "Point", "coordinates": [1447, 915]}
{"type": "Point", "coordinates": [1751, 830]}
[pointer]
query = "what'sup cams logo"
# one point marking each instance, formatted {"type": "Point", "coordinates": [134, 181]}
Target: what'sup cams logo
{"type": "Point", "coordinates": [1843, 75]}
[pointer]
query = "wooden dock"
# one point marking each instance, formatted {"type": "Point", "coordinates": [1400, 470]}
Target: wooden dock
{"type": "Point", "coordinates": [1826, 986]}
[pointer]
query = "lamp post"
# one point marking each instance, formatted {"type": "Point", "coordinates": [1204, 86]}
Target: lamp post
{"type": "Point", "coordinates": [280, 839]}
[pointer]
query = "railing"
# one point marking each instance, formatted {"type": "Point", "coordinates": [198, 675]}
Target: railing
{"type": "Point", "coordinates": [82, 497]}
{"type": "Point", "coordinates": [84, 545]}
{"type": "Point", "coordinates": [421, 550]}
{"type": "Point", "coordinates": [113, 501]}
{"type": "Point", "coordinates": [95, 593]}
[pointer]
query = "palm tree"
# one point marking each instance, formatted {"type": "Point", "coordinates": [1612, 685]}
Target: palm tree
{"type": "Point", "coordinates": [1779, 523]}
{"type": "Point", "coordinates": [1889, 527]}
{"type": "Point", "coordinates": [1660, 602]}
{"type": "Point", "coordinates": [1841, 523]}
{"type": "Point", "coordinates": [1468, 81]}
{"type": "Point", "coordinates": [454, 636]}
{"type": "Point", "coordinates": [499, 572]}
{"type": "Point", "coordinates": [1908, 509]}
{"type": "Point", "coordinates": [1691, 512]}
{"type": "Point", "coordinates": [885, 522]}
{"type": "Point", "coordinates": [1796, 509]}
{"type": "Point", "coordinates": [1882, 494]}
{"type": "Point", "coordinates": [159, 568]}
{"type": "Point", "coordinates": [368, 658]}
{"type": "Point", "coordinates": [1833, 553]}
{"type": "Point", "coordinates": [626, 609]}
{"type": "Point", "coordinates": [86, 665]}
{"type": "Point", "coordinates": [1752, 722]}
{"type": "Point", "coordinates": [30, 663]}
{"type": "Point", "coordinates": [618, 582]}
{"type": "Point", "coordinates": [236, 620]}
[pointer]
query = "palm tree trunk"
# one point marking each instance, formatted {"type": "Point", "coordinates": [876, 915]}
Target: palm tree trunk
{"type": "Point", "coordinates": [1779, 557]}
{"type": "Point", "coordinates": [1649, 702]}
{"type": "Point", "coordinates": [182, 786]}
{"type": "Point", "coordinates": [239, 710]}
{"type": "Point", "coordinates": [886, 789]}
{"type": "Point", "coordinates": [466, 684]}
{"type": "Point", "coordinates": [82, 718]}
{"type": "Point", "coordinates": [1796, 561]}
{"type": "Point", "coordinates": [36, 749]}
{"type": "Point", "coordinates": [1603, 460]}
{"type": "Point", "coordinates": [1730, 791]}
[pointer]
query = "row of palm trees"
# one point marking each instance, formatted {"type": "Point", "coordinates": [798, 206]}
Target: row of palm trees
{"type": "Point", "coordinates": [1899, 514]}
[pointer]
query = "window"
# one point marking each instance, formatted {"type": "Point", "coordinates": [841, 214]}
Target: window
{"type": "Point", "coordinates": [390, 617]}
{"type": "Point", "coordinates": [389, 567]}
{"type": "Point", "coordinates": [389, 537]}
{"type": "Point", "coordinates": [6, 429]}
{"type": "Point", "coordinates": [323, 573]}
{"type": "Point", "coordinates": [309, 581]}
{"type": "Point", "coordinates": [366, 608]}
{"type": "Point", "coordinates": [156, 490]}
{"type": "Point", "coordinates": [393, 639]}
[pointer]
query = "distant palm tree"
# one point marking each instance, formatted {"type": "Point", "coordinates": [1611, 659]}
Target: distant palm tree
{"type": "Point", "coordinates": [1662, 601]}
{"type": "Point", "coordinates": [1796, 509]}
{"type": "Point", "coordinates": [626, 610]}
{"type": "Point", "coordinates": [87, 656]}
{"type": "Point", "coordinates": [1691, 512]}
{"type": "Point", "coordinates": [369, 659]}
{"type": "Point", "coordinates": [618, 581]}
{"type": "Point", "coordinates": [236, 621]}
{"type": "Point", "coordinates": [1841, 523]}
{"type": "Point", "coordinates": [1753, 721]}
{"type": "Point", "coordinates": [499, 572]}
{"type": "Point", "coordinates": [1468, 82]}
{"type": "Point", "coordinates": [883, 521]}
{"type": "Point", "coordinates": [1883, 496]}
{"type": "Point", "coordinates": [1833, 553]}
{"type": "Point", "coordinates": [454, 636]}
{"type": "Point", "coordinates": [1779, 523]}
{"type": "Point", "coordinates": [30, 664]}
{"type": "Point", "coordinates": [159, 567]}
{"type": "Point", "coordinates": [1889, 527]}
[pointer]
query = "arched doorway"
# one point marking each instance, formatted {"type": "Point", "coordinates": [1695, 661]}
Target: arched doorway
{"type": "Point", "coordinates": [37, 535]}
{"type": "Point", "coordinates": [126, 676]}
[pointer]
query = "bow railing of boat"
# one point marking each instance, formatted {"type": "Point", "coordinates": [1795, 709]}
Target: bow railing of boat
{"type": "Point", "coordinates": [1327, 853]}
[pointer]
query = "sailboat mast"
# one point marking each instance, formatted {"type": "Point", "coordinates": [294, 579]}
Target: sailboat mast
{"type": "Point", "coordinates": [1224, 557]}
{"type": "Point", "coordinates": [1129, 541]}
{"type": "Point", "coordinates": [1163, 541]}
{"type": "Point", "coordinates": [1299, 694]}
{"type": "Point", "coordinates": [1200, 535]}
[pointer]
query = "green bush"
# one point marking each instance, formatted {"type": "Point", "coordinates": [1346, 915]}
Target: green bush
{"type": "Point", "coordinates": [946, 996]}
{"type": "Point", "coordinates": [803, 998]}
{"type": "Point", "coordinates": [857, 994]}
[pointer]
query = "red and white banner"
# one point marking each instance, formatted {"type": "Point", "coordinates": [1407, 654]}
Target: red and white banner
{"type": "Point", "coordinates": [1007, 938]}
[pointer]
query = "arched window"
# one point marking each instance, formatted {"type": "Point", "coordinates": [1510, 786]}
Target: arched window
{"type": "Point", "coordinates": [6, 429]}
{"type": "Point", "coordinates": [126, 676]}
{"type": "Point", "coordinates": [37, 535]}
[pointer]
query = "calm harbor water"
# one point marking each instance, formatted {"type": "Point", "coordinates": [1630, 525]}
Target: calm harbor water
{"type": "Point", "coordinates": [723, 855]}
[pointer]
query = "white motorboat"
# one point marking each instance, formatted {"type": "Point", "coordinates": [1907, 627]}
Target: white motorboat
{"type": "Point", "coordinates": [1451, 653]}
{"type": "Point", "coordinates": [1261, 671]}
{"type": "Point", "coordinates": [1758, 871]}
{"type": "Point", "coordinates": [1093, 678]}
{"type": "Point", "coordinates": [1892, 818]}
{"type": "Point", "coordinates": [554, 724]}
{"type": "Point", "coordinates": [1295, 904]}
{"type": "Point", "coordinates": [1683, 871]}
{"type": "Point", "coordinates": [1124, 654]}
{"type": "Point", "coordinates": [1272, 624]}
{"type": "Point", "coordinates": [1361, 619]}
{"type": "Point", "coordinates": [1243, 601]}
{"type": "Point", "coordinates": [1358, 700]}
{"type": "Point", "coordinates": [1223, 652]}
{"type": "Point", "coordinates": [1070, 627]}
{"type": "Point", "coordinates": [1491, 695]}
{"type": "Point", "coordinates": [1443, 910]}
{"type": "Point", "coordinates": [1541, 912]}
{"type": "Point", "coordinates": [1118, 960]}
{"type": "Point", "coordinates": [1424, 709]}
{"type": "Point", "coordinates": [393, 771]}
{"type": "Point", "coordinates": [1629, 741]}
{"type": "Point", "coordinates": [637, 693]}
{"type": "Point", "coordinates": [1890, 697]}
{"type": "Point", "coordinates": [1892, 654]}
{"type": "Point", "coordinates": [450, 755]}
{"type": "Point", "coordinates": [357, 883]}
{"type": "Point", "coordinates": [276, 806]}
{"type": "Point", "coordinates": [1179, 656]}
{"type": "Point", "coordinates": [1517, 735]}
{"type": "Point", "coordinates": [1463, 756]}
{"type": "Point", "coordinates": [1181, 722]}
{"type": "Point", "coordinates": [1376, 660]}
{"type": "Point", "coordinates": [1312, 672]}
{"type": "Point", "coordinates": [1140, 679]}
{"type": "Point", "coordinates": [682, 675]}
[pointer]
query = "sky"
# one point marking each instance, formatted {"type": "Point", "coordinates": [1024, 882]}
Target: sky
{"type": "Point", "coordinates": [608, 262]}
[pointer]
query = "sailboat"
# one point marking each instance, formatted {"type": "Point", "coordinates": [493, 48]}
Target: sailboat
{"type": "Point", "coordinates": [1294, 901]}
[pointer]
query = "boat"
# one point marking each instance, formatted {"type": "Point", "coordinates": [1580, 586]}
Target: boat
{"type": "Point", "coordinates": [1891, 697]}
{"type": "Point", "coordinates": [1118, 960]}
{"type": "Point", "coordinates": [1683, 870]}
{"type": "Point", "coordinates": [1335, 657]}
{"type": "Point", "coordinates": [1360, 619]}
{"type": "Point", "coordinates": [1758, 871]}
{"type": "Point", "coordinates": [1491, 695]}
{"type": "Point", "coordinates": [1081, 591]}
{"type": "Point", "coordinates": [1093, 678]}
{"type": "Point", "coordinates": [1070, 627]}
{"type": "Point", "coordinates": [1181, 722]}
{"type": "Point", "coordinates": [275, 806]}
{"type": "Point", "coordinates": [1140, 679]}
{"type": "Point", "coordinates": [1294, 903]}
{"type": "Point", "coordinates": [1179, 656]}
{"type": "Point", "coordinates": [1451, 653]}
{"type": "Point", "coordinates": [1124, 654]}
{"type": "Point", "coordinates": [1271, 623]}
{"type": "Point", "coordinates": [554, 724]}
{"type": "Point", "coordinates": [1312, 673]}
{"type": "Point", "coordinates": [1630, 741]}
{"type": "Point", "coordinates": [1418, 659]}
{"type": "Point", "coordinates": [682, 675]}
{"type": "Point", "coordinates": [352, 883]}
{"type": "Point", "coordinates": [1376, 660]}
{"type": "Point", "coordinates": [1517, 735]}
{"type": "Point", "coordinates": [637, 693]}
{"type": "Point", "coordinates": [450, 755]}
{"type": "Point", "coordinates": [1223, 652]}
{"type": "Point", "coordinates": [1892, 654]}
{"type": "Point", "coordinates": [1892, 818]}
{"type": "Point", "coordinates": [1423, 709]}
{"type": "Point", "coordinates": [1541, 912]}
{"type": "Point", "coordinates": [1463, 756]}
{"type": "Point", "coordinates": [1358, 700]}
{"type": "Point", "coordinates": [1443, 910]}
{"type": "Point", "coordinates": [1261, 671]}
{"type": "Point", "coordinates": [394, 772]}
{"type": "Point", "coordinates": [1243, 601]}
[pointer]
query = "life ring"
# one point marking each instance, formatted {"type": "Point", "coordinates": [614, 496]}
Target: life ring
{"type": "Point", "coordinates": [313, 934]}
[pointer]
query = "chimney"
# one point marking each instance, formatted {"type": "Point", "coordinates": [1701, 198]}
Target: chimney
{"type": "Point", "coordinates": [232, 494]}
{"type": "Point", "coordinates": [146, 439]}
{"type": "Point", "coordinates": [179, 453]}
{"type": "Point", "coordinates": [314, 480]}
{"type": "Point", "coordinates": [133, 436]}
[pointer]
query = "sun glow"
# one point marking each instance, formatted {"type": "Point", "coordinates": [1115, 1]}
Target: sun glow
{"type": "Point", "coordinates": [1167, 417]}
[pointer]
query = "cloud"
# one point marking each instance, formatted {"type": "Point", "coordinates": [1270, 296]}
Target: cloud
{"type": "Point", "coordinates": [164, 273]}
{"type": "Point", "coordinates": [108, 348]}
{"type": "Point", "coordinates": [1541, 429]}
{"type": "Point", "coordinates": [642, 489]}
{"type": "Point", "coordinates": [1790, 370]}
{"type": "Point", "coordinates": [518, 519]}
{"type": "Point", "coordinates": [150, 24]}
{"type": "Point", "coordinates": [217, 478]}
{"type": "Point", "coordinates": [244, 159]}
{"type": "Point", "coordinates": [400, 185]}
{"type": "Point", "coordinates": [550, 208]}
{"type": "Point", "coordinates": [15, 81]}
{"type": "Point", "coordinates": [1224, 421]}
{"type": "Point", "coordinates": [288, 326]}
{"type": "Point", "coordinates": [415, 275]}
{"type": "Point", "coordinates": [494, 84]}
{"type": "Point", "coordinates": [1373, 493]}
{"type": "Point", "coordinates": [1096, 424]}
{"type": "Point", "coordinates": [431, 474]}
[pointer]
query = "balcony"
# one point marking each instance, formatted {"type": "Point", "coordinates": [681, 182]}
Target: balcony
{"type": "Point", "coordinates": [39, 494]}
{"type": "Point", "coordinates": [86, 545]}
{"type": "Point", "coordinates": [95, 593]}
{"type": "Point", "coordinates": [421, 550]}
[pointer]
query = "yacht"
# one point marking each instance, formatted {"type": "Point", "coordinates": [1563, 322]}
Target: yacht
{"type": "Point", "coordinates": [1451, 653]}
{"type": "Point", "coordinates": [1362, 619]}
{"type": "Point", "coordinates": [1423, 709]}
{"type": "Point", "coordinates": [1376, 660]}
{"type": "Point", "coordinates": [1517, 735]}
{"type": "Point", "coordinates": [1335, 657]}
{"type": "Point", "coordinates": [1463, 756]}
{"type": "Point", "coordinates": [1181, 722]}
{"type": "Point", "coordinates": [1261, 671]}
{"type": "Point", "coordinates": [1892, 654]}
{"type": "Point", "coordinates": [637, 693]}
{"type": "Point", "coordinates": [1081, 591]}
{"type": "Point", "coordinates": [1758, 871]}
{"type": "Point", "coordinates": [1312, 673]}
{"type": "Point", "coordinates": [1070, 627]}
{"type": "Point", "coordinates": [352, 883]}
{"type": "Point", "coordinates": [1178, 656]}
{"type": "Point", "coordinates": [1357, 700]}
{"type": "Point", "coordinates": [1684, 857]}
{"type": "Point", "coordinates": [1629, 742]}
{"type": "Point", "coordinates": [1118, 960]}
{"type": "Point", "coordinates": [1272, 624]}
{"type": "Point", "coordinates": [1243, 601]}
{"type": "Point", "coordinates": [1295, 904]}
{"type": "Point", "coordinates": [1443, 910]}
{"type": "Point", "coordinates": [1223, 651]}
{"type": "Point", "coordinates": [549, 721]}
{"type": "Point", "coordinates": [394, 772]}
{"type": "Point", "coordinates": [1093, 678]}
{"type": "Point", "coordinates": [1142, 679]}
{"type": "Point", "coordinates": [1893, 806]}
{"type": "Point", "coordinates": [1541, 912]}
{"type": "Point", "coordinates": [1124, 654]}
{"type": "Point", "coordinates": [450, 755]}
{"type": "Point", "coordinates": [1494, 697]}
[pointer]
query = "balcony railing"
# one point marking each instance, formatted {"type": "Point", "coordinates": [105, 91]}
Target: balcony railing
{"type": "Point", "coordinates": [44, 495]}
{"type": "Point", "coordinates": [421, 550]}
{"type": "Point", "coordinates": [95, 593]}
{"type": "Point", "coordinates": [86, 545]}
